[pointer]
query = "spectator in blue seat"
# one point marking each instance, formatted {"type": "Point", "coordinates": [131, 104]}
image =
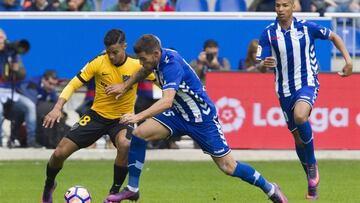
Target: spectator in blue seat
{"type": "Point", "coordinates": [209, 60]}
{"type": "Point", "coordinates": [123, 5]}
{"type": "Point", "coordinates": [40, 5]}
{"type": "Point", "coordinates": [191, 6]}
{"type": "Point", "coordinates": [344, 6]}
{"type": "Point", "coordinates": [269, 6]}
{"type": "Point", "coordinates": [76, 5]}
{"type": "Point", "coordinates": [10, 5]}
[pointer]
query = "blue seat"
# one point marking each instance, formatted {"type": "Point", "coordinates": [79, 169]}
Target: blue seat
{"type": "Point", "coordinates": [105, 4]}
{"type": "Point", "coordinates": [230, 5]}
{"type": "Point", "coordinates": [192, 5]}
{"type": "Point", "coordinates": [346, 35]}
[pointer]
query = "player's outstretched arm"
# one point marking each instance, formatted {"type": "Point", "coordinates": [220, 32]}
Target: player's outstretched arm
{"type": "Point", "coordinates": [339, 44]}
{"type": "Point", "coordinates": [158, 107]}
{"type": "Point", "coordinates": [120, 89]}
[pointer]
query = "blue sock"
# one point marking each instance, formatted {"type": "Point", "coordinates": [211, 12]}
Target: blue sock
{"type": "Point", "coordinates": [250, 175]}
{"type": "Point", "coordinates": [136, 158]}
{"type": "Point", "coordinates": [307, 139]}
{"type": "Point", "coordinates": [300, 151]}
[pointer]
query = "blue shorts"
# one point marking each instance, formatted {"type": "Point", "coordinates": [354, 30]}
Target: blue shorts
{"type": "Point", "coordinates": [208, 134]}
{"type": "Point", "coordinates": [306, 94]}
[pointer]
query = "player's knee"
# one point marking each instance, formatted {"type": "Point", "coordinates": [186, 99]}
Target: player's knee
{"type": "Point", "coordinates": [300, 118]}
{"type": "Point", "coordinates": [138, 132]}
{"type": "Point", "coordinates": [59, 154]}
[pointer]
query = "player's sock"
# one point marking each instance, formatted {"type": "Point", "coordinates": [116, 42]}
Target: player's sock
{"type": "Point", "coordinates": [306, 137]}
{"type": "Point", "coordinates": [136, 160]}
{"type": "Point", "coordinates": [50, 175]}
{"type": "Point", "coordinates": [250, 175]}
{"type": "Point", "coordinates": [300, 151]}
{"type": "Point", "coordinates": [120, 173]}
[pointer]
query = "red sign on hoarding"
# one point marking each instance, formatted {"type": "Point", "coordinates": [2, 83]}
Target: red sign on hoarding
{"type": "Point", "coordinates": [252, 118]}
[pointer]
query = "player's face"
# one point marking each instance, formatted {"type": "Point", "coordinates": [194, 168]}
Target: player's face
{"type": "Point", "coordinates": [116, 53]}
{"type": "Point", "coordinates": [149, 61]}
{"type": "Point", "coordinates": [284, 9]}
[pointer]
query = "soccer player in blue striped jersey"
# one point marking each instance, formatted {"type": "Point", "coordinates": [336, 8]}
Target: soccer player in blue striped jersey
{"type": "Point", "coordinates": [288, 45]}
{"type": "Point", "coordinates": [184, 109]}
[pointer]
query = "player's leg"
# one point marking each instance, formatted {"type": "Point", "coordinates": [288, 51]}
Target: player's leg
{"type": "Point", "coordinates": [84, 133]}
{"type": "Point", "coordinates": [300, 149]}
{"type": "Point", "coordinates": [301, 114]}
{"type": "Point", "coordinates": [64, 149]}
{"type": "Point", "coordinates": [248, 174]}
{"type": "Point", "coordinates": [150, 130]}
{"type": "Point", "coordinates": [122, 143]}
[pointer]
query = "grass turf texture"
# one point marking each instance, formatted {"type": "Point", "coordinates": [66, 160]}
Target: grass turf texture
{"type": "Point", "coordinates": [190, 182]}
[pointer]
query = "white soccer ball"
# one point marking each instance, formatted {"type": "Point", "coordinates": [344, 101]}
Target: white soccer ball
{"type": "Point", "coordinates": [77, 194]}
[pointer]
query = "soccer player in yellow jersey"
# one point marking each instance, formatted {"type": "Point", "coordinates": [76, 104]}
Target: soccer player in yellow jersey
{"type": "Point", "coordinates": [111, 68]}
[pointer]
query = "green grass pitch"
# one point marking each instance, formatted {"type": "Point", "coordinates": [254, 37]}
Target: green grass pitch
{"type": "Point", "coordinates": [181, 182]}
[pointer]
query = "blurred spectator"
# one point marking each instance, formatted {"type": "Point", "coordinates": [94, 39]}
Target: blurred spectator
{"type": "Point", "coordinates": [249, 63]}
{"type": "Point", "coordinates": [123, 5]}
{"type": "Point", "coordinates": [343, 6]}
{"type": "Point", "coordinates": [10, 5]}
{"type": "Point", "coordinates": [156, 5]}
{"type": "Point", "coordinates": [10, 74]}
{"type": "Point", "coordinates": [76, 5]}
{"type": "Point", "coordinates": [41, 91]}
{"type": "Point", "coordinates": [209, 60]}
{"type": "Point", "coordinates": [269, 5]}
{"type": "Point", "coordinates": [319, 6]}
{"type": "Point", "coordinates": [39, 5]}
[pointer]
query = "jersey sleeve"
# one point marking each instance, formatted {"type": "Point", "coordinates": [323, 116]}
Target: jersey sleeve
{"type": "Point", "coordinates": [173, 74]}
{"type": "Point", "coordinates": [88, 71]}
{"type": "Point", "coordinates": [264, 47]}
{"type": "Point", "coordinates": [318, 31]}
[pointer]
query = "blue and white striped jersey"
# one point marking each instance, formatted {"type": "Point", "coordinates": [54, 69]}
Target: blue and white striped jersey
{"type": "Point", "coordinates": [191, 99]}
{"type": "Point", "coordinates": [294, 50]}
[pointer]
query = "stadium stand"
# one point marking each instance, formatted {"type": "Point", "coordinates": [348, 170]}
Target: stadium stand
{"type": "Point", "coordinates": [230, 5]}
{"type": "Point", "coordinates": [194, 5]}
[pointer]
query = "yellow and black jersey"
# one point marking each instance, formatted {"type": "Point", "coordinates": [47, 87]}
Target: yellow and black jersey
{"type": "Point", "coordinates": [105, 74]}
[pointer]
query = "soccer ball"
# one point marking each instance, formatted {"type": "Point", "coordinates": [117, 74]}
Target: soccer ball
{"type": "Point", "coordinates": [77, 194]}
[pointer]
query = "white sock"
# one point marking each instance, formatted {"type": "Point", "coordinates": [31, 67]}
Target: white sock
{"type": "Point", "coordinates": [272, 191]}
{"type": "Point", "coordinates": [133, 189]}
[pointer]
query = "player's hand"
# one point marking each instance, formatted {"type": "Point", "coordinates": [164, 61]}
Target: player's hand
{"type": "Point", "coordinates": [346, 71]}
{"type": "Point", "coordinates": [129, 118]}
{"type": "Point", "coordinates": [118, 89]}
{"type": "Point", "coordinates": [54, 115]}
{"type": "Point", "coordinates": [269, 62]}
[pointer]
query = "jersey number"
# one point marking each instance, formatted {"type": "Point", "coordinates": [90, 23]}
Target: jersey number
{"type": "Point", "coordinates": [84, 120]}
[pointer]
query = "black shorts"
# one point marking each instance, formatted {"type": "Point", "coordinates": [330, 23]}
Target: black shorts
{"type": "Point", "coordinates": [92, 126]}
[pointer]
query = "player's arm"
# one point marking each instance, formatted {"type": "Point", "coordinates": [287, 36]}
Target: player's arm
{"type": "Point", "coordinates": [56, 113]}
{"type": "Point", "coordinates": [339, 44]}
{"type": "Point", "coordinates": [158, 107]}
{"type": "Point", "coordinates": [120, 89]}
{"type": "Point", "coordinates": [264, 53]}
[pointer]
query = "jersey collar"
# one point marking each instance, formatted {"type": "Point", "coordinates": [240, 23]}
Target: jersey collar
{"type": "Point", "coordinates": [278, 27]}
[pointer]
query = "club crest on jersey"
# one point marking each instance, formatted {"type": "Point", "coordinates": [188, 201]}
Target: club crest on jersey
{"type": "Point", "coordinates": [299, 34]}
{"type": "Point", "coordinates": [125, 77]}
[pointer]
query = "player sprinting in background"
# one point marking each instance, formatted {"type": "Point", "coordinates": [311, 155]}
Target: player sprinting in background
{"type": "Point", "coordinates": [184, 109]}
{"type": "Point", "coordinates": [288, 45]}
{"type": "Point", "coordinates": [112, 67]}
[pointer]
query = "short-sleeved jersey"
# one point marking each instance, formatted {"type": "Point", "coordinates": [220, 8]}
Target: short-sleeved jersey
{"type": "Point", "coordinates": [105, 74]}
{"type": "Point", "coordinates": [191, 100]}
{"type": "Point", "coordinates": [294, 50]}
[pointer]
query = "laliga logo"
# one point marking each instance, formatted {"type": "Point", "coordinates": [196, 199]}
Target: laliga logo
{"type": "Point", "coordinates": [231, 114]}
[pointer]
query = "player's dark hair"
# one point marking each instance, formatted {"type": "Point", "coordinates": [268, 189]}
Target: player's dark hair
{"type": "Point", "coordinates": [147, 43]}
{"type": "Point", "coordinates": [114, 36]}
